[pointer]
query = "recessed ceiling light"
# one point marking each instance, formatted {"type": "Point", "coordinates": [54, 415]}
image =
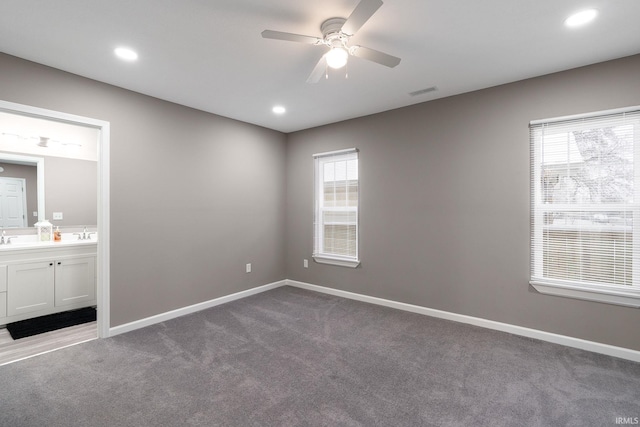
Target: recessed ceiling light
{"type": "Point", "coordinates": [581, 18]}
{"type": "Point", "coordinates": [126, 54]}
{"type": "Point", "coordinates": [279, 109]}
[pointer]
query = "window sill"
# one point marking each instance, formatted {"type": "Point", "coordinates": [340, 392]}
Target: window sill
{"type": "Point", "coordinates": [607, 295]}
{"type": "Point", "coordinates": [323, 259]}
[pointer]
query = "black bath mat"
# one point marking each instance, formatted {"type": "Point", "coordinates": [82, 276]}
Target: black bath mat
{"type": "Point", "coordinates": [50, 322]}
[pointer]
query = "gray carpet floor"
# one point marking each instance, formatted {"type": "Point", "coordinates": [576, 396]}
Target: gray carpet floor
{"type": "Point", "coordinates": [290, 357]}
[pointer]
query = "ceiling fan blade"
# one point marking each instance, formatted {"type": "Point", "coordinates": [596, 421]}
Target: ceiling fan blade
{"type": "Point", "coordinates": [318, 71]}
{"type": "Point", "coordinates": [375, 56]}
{"type": "Point", "coordinates": [290, 37]}
{"type": "Point", "coordinates": [361, 14]}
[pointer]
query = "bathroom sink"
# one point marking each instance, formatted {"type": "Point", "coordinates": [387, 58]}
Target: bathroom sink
{"type": "Point", "coordinates": [30, 241]}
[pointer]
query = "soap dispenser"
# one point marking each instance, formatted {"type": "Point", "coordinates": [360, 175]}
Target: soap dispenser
{"type": "Point", "coordinates": [57, 235]}
{"type": "Point", "coordinates": [45, 230]}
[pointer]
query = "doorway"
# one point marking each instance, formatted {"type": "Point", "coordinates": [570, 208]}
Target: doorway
{"type": "Point", "coordinates": [102, 208]}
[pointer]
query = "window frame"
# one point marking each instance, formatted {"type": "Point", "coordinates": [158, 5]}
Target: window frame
{"type": "Point", "coordinates": [625, 295]}
{"type": "Point", "coordinates": [319, 255]}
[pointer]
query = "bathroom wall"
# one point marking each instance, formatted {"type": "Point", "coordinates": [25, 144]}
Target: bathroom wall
{"type": "Point", "coordinates": [71, 188]}
{"type": "Point", "coordinates": [194, 196]}
{"type": "Point", "coordinates": [445, 202]}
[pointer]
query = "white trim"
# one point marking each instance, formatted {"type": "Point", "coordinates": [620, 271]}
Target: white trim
{"type": "Point", "coordinates": [319, 252]}
{"type": "Point", "coordinates": [336, 152]}
{"type": "Point", "coordinates": [584, 115]}
{"type": "Point", "coordinates": [597, 294]}
{"type": "Point", "coordinates": [162, 317]}
{"type": "Point", "coordinates": [48, 351]}
{"type": "Point", "coordinates": [25, 212]}
{"type": "Point", "coordinates": [28, 110]}
{"type": "Point", "coordinates": [595, 347]}
{"type": "Point", "coordinates": [104, 229]}
{"type": "Point", "coordinates": [103, 259]}
{"type": "Point", "coordinates": [343, 262]}
{"type": "Point", "coordinates": [609, 293]}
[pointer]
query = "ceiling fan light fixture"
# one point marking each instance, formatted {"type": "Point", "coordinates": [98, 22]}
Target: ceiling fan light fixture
{"type": "Point", "coordinates": [337, 57]}
{"type": "Point", "coordinates": [336, 35]}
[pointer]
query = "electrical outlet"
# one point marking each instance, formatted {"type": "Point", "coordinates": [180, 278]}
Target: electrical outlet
{"type": "Point", "coordinates": [57, 215]}
{"type": "Point", "coordinates": [248, 268]}
{"type": "Point", "coordinates": [306, 263]}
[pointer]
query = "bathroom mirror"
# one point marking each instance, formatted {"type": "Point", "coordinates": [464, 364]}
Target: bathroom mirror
{"type": "Point", "coordinates": [27, 172]}
{"type": "Point", "coordinates": [57, 164]}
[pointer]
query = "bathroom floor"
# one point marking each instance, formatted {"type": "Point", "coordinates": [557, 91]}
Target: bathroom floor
{"type": "Point", "coordinates": [12, 350]}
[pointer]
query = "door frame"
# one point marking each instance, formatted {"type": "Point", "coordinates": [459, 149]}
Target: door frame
{"type": "Point", "coordinates": [103, 260]}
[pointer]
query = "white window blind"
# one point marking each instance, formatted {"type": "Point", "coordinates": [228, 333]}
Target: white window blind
{"type": "Point", "coordinates": [336, 208]}
{"type": "Point", "coordinates": [585, 217]}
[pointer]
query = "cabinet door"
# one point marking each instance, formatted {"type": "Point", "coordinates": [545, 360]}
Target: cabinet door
{"type": "Point", "coordinates": [29, 287]}
{"type": "Point", "coordinates": [3, 305]}
{"type": "Point", "coordinates": [75, 281]}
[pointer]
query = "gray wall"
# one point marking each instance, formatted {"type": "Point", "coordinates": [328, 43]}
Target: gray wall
{"type": "Point", "coordinates": [445, 202]}
{"type": "Point", "coordinates": [444, 190]}
{"type": "Point", "coordinates": [194, 196]}
{"type": "Point", "coordinates": [71, 188]}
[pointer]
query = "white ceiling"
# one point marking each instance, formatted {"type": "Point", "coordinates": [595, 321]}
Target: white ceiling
{"type": "Point", "coordinates": [209, 54]}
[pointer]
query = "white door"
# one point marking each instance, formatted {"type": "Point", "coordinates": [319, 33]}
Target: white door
{"type": "Point", "coordinates": [13, 202]}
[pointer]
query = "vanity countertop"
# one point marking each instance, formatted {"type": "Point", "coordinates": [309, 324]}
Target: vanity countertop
{"type": "Point", "coordinates": [29, 242]}
{"type": "Point", "coordinates": [46, 245]}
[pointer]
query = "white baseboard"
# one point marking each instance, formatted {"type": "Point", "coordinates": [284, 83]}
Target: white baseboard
{"type": "Point", "coordinates": [148, 321]}
{"type": "Point", "coordinates": [609, 350]}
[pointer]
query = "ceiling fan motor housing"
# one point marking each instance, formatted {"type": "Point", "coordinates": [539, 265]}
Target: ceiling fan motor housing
{"type": "Point", "coordinates": [332, 32]}
{"type": "Point", "coordinates": [331, 26]}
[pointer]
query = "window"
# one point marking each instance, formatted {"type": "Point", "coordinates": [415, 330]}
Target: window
{"type": "Point", "coordinates": [336, 208]}
{"type": "Point", "coordinates": [585, 219]}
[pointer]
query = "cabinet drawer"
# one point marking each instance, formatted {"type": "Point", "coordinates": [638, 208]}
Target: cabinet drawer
{"type": "Point", "coordinates": [3, 304]}
{"type": "Point", "coordinates": [3, 278]}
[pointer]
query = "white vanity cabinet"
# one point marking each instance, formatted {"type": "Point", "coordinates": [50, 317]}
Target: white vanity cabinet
{"type": "Point", "coordinates": [75, 281]}
{"type": "Point", "coordinates": [3, 291]}
{"type": "Point", "coordinates": [30, 287]}
{"type": "Point", "coordinates": [40, 281]}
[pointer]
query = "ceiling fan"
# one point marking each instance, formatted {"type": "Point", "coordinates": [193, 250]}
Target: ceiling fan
{"type": "Point", "coordinates": [336, 33]}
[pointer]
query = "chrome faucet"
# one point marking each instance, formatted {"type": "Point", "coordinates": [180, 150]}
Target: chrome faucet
{"type": "Point", "coordinates": [85, 235]}
{"type": "Point", "coordinates": [4, 239]}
